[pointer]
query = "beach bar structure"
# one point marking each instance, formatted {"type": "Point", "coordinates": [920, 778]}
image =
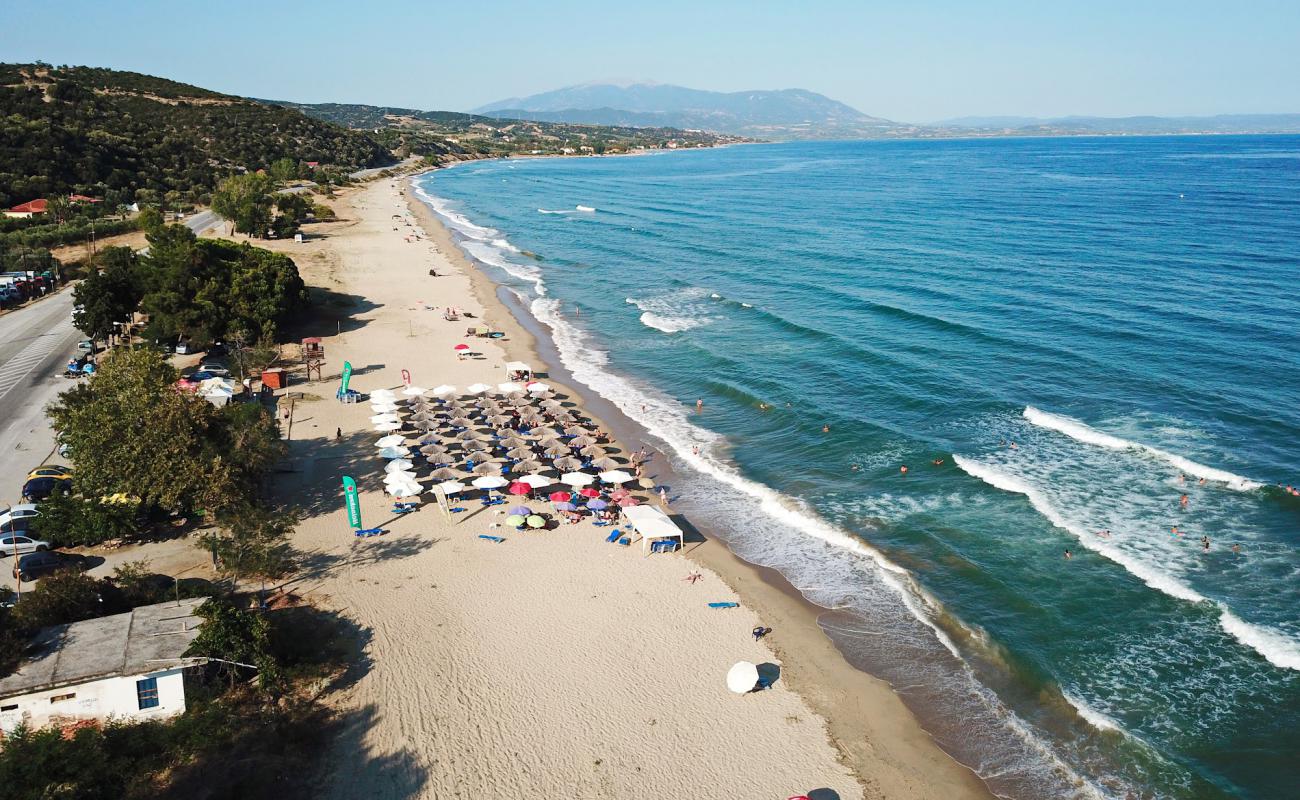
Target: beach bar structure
{"type": "Point", "coordinates": [518, 371]}
{"type": "Point", "coordinates": [652, 525]}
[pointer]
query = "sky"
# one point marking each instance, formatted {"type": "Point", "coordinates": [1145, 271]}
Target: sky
{"type": "Point", "coordinates": [914, 61]}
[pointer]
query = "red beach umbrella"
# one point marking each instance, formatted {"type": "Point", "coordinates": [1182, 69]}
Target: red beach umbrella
{"type": "Point", "coordinates": [560, 497]}
{"type": "Point", "coordinates": [619, 494]}
{"type": "Point", "coordinates": [628, 501]}
{"type": "Point", "coordinates": [461, 347]}
{"type": "Point", "coordinates": [519, 488]}
{"type": "Point", "coordinates": [588, 491]}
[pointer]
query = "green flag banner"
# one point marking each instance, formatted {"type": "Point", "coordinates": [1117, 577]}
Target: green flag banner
{"type": "Point", "coordinates": [347, 376]}
{"type": "Point", "coordinates": [352, 501]}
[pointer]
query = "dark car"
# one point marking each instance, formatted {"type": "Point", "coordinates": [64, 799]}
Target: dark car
{"type": "Point", "coordinates": [34, 565]}
{"type": "Point", "coordinates": [218, 350]}
{"type": "Point", "coordinates": [38, 489]}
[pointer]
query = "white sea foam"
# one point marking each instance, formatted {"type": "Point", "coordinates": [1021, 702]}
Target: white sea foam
{"type": "Point", "coordinates": [1083, 433]}
{"type": "Point", "coordinates": [673, 312]}
{"type": "Point", "coordinates": [1091, 715]}
{"type": "Point", "coordinates": [1278, 648]}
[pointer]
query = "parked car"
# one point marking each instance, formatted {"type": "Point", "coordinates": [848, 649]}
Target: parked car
{"type": "Point", "coordinates": [182, 348]}
{"type": "Point", "coordinates": [87, 345]}
{"type": "Point", "coordinates": [215, 368]}
{"type": "Point", "coordinates": [38, 489]}
{"type": "Point", "coordinates": [20, 511]}
{"type": "Point", "coordinates": [57, 471]}
{"type": "Point", "coordinates": [34, 565]}
{"type": "Point", "coordinates": [218, 350]}
{"type": "Point", "coordinates": [18, 544]}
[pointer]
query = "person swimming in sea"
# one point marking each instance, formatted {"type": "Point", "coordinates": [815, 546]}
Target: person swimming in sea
{"type": "Point", "coordinates": [826, 429]}
{"type": "Point", "coordinates": [903, 469]}
{"type": "Point", "coordinates": [1183, 501]}
{"type": "Point", "coordinates": [1104, 534]}
{"type": "Point", "coordinates": [1205, 543]}
{"type": "Point", "coordinates": [938, 462]}
{"type": "Point", "coordinates": [1068, 555]}
{"type": "Point", "coordinates": [1174, 531]}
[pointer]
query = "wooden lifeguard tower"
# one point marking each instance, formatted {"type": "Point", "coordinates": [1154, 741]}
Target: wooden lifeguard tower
{"type": "Point", "coordinates": [313, 356]}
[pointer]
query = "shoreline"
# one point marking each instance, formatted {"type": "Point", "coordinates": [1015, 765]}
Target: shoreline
{"type": "Point", "coordinates": [876, 735]}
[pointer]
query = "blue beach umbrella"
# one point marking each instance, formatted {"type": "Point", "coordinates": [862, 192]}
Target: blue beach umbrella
{"type": "Point", "coordinates": [597, 505]}
{"type": "Point", "coordinates": [565, 507]}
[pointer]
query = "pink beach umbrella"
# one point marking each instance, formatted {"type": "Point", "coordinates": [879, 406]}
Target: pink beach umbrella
{"type": "Point", "coordinates": [460, 348]}
{"type": "Point", "coordinates": [519, 488]}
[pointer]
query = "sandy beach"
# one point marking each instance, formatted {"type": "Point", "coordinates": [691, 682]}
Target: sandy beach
{"type": "Point", "coordinates": [552, 663]}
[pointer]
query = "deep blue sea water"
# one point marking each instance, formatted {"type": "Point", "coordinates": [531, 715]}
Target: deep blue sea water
{"type": "Point", "coordinates": [1080, 330]}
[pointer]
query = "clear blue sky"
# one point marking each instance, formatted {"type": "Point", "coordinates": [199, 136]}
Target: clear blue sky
{"type": "Point", "coordinates": [912, 61]}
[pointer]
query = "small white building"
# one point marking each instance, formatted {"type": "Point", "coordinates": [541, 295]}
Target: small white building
{"type": "Point", "coordinates": [126, 667]}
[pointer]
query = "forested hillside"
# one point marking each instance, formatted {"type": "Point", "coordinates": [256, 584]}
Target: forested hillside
{"type": "Point", "coordinates": [99, 132]}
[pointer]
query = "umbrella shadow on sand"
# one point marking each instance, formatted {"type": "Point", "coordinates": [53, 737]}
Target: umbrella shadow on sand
{"type": "Point", "coordinates": [768, 674]}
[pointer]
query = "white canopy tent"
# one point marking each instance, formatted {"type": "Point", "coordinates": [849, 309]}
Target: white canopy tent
{"type": "Point", "coordinates": [652, 524]}
{"type": "Point", "coordinates": [518, 371]}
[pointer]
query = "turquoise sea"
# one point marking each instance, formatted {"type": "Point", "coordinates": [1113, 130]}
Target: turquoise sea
{"type": "Point", "coordinates": [1058, 337]}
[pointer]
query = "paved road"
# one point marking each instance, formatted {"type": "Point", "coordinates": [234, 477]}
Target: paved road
{"type": "Point", "coordinates": [35, 343]}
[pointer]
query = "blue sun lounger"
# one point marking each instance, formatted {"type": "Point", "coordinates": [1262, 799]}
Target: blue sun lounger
{"type": "Point", "coordinates": [724, 605]}
{"type": "Point", "coordinates": [497, 539]}
{"type": "Point", "coordinates": [366, 533]}
{"type": "Point", "coordinates": [613, 536]}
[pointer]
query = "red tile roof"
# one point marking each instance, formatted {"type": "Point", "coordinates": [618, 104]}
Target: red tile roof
{"type": "Point", "coordinates": [30, 207]}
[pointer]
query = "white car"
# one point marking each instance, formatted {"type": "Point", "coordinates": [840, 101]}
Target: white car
{"type": "Point", "coordinates": [20, 511]}
{"type": "Point", "coordinates": [216, 368]}
{"type": "Point", "coordinates": [19, 544]}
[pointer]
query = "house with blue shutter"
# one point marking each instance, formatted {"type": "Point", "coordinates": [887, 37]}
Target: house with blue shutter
{"type": "Point", "coordinates": [123, 667]}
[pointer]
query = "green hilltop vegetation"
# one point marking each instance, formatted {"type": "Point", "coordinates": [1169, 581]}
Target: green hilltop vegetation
{"type": "Point", "coordinates": [445, 136]}
{"type": "Point", "coordinates": [106, 133]}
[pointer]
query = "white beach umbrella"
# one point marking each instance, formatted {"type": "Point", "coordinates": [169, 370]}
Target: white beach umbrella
{"type": "Point", "coordinates": [395, 452]}
{"type": "Point", "coordinates": [398, 478]}
{"type": "Point", "coordinates": [382, 394]}
{"type": "Point", "coordinates": [443, 391]}
{"type": "Point", "coordinates": [452, 487]}
{"type": "Point", "coordinates": [742, 677]}
{"type": "Point", "coordinates": [398, 465]}
{"type": "Point", "coordinates": [537, 387]}
{"type": "Point", "coordinates": [490, 482]}
{"type": "Point", "coordinates": [576, 478]}
{"type": "Point", "coordinates": [383, 408]}
{"type": "Point", "coordinates": [387, 416]}
{"type": "Point", "coordinates": [413, 391]}
{"type": "Point", "coordinates": [391, 440]}
{"type": "Point", "coordinates": [536, 481]}
{"type": "Point", "coordinates": [616, 476]}
{"type": "Point", "coordinates": [509, 388]}
{"type": "Point", "coordinates": [385, 427]}
{"type": "Point", "coordinates": [403, 490]}
{"type": "Point", "coordinates": [478, 388]}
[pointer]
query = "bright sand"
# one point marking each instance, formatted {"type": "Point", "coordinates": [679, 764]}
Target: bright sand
{"type": "Point", "coordinates": [552, 664]}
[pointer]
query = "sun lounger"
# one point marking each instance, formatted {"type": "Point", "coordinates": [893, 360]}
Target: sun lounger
{"type": "Point", "coordinates": [613, 535]}
{"type": "Point", "coordinates": [626, 541]}
{"type": "Point", "coordinates": [368, 532]}
{"type": "Point", "coordinates": [724, 605]}
{"type": "Point", "coordinates": [497, 539]}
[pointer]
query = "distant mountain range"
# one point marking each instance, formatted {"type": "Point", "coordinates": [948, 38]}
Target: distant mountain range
{"type": "Point", "coordinates": [764, 114]}
{"type": "Point", "coordinates": [801, 114]}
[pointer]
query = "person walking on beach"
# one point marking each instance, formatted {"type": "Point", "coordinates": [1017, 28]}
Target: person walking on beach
{"type": "Point", "coordinates": [663, 496]}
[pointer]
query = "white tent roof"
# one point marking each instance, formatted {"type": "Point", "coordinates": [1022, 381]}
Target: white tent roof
{"type": "Point", "coordinates": [517, 366]}
{"type": "Point", "coordinates": [652, 523]}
